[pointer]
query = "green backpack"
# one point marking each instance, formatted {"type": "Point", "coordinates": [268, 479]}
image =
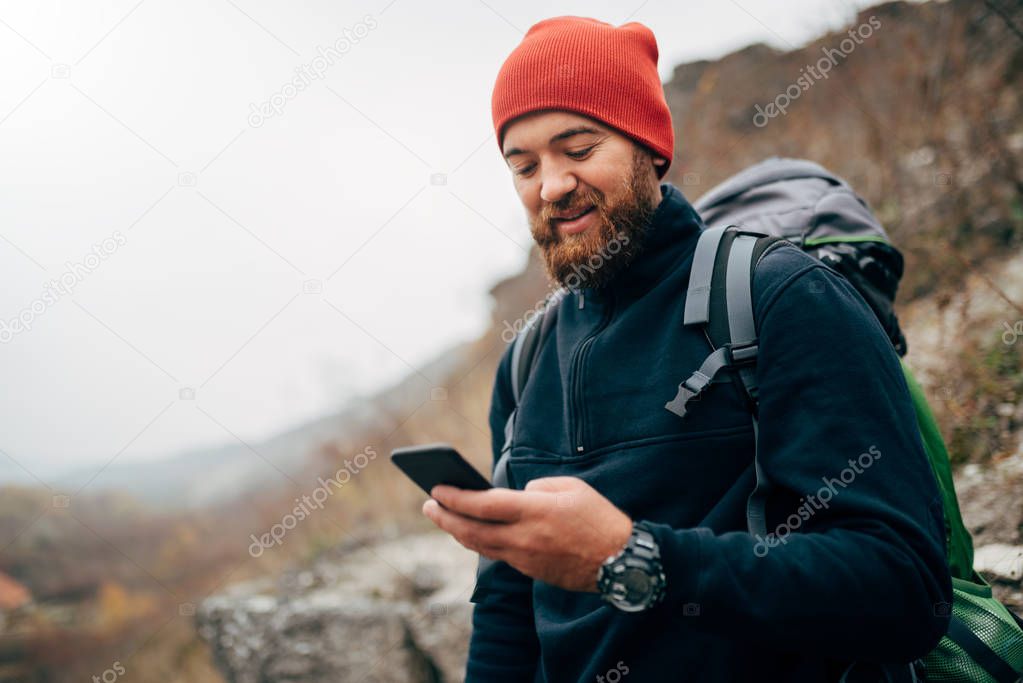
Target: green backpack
{"type": "Point", "coordinates": [798, 201]}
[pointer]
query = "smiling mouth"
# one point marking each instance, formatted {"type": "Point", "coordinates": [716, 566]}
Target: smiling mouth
{"type": "Point", "coordinates": [576, 216]}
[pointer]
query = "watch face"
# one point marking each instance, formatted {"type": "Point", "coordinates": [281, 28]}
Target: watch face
{"type": "Point", "coordinates": [637, 585]}
{"type": "Point", "coordinates": [633, 580]}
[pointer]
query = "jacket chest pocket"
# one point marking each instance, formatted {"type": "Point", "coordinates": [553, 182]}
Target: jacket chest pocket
{"type": "Point", "coordinates": [624, 389]}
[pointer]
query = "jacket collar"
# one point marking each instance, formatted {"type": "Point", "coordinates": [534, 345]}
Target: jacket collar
{"type": "Point", "coordinates": [671, 232]}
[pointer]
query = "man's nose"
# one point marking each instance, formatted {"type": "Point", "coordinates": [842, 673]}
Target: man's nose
{"type": "Point", "coordinates": [555, 183]}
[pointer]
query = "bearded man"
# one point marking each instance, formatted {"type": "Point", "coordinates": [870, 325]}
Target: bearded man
{"type": "Point", "coordinates": [620, 546]}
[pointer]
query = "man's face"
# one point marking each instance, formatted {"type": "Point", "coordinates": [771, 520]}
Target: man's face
{"type": "Point", "coordinates": [588, 191]}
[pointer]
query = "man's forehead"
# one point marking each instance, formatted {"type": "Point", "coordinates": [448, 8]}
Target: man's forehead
{"type": "Point", "coordinates": [544, 128]}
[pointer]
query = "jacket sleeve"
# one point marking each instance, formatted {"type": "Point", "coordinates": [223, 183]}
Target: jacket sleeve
{"type": "Point", "coordinates": [503, 646]}
{"type": "Point", "coordinates": [854, 565]}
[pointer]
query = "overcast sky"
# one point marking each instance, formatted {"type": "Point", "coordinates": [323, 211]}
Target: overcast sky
{"type": "Point", "coordinates": [275, 263]}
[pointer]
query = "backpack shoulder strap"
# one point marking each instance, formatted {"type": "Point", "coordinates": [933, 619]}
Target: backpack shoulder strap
{"type": "Point", "coordinates": [732, 321]}
{"type": "Point", "coordinates": [524, 352]}
{"type": "Point", "coordinates": [720, 299]}
{"type": "Point", "coordinates": [526, 344]}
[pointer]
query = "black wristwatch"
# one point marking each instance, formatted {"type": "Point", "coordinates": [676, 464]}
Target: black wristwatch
{"type": "Point", "coordinates": [633, 580]}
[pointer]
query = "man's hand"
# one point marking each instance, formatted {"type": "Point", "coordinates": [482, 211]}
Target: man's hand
{"type": "Point", "coordinates": [558, 530]}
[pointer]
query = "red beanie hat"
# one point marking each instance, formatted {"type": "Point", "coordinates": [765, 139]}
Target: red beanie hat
{"type": "Point", "coordinates": [592, 68]}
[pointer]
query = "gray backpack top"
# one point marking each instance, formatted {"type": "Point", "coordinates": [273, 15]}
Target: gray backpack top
{"type": "Point", "coordinates": [818, 211]}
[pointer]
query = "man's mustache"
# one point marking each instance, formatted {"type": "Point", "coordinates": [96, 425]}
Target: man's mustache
{"type": "Point", "coordinates": [570, 206]}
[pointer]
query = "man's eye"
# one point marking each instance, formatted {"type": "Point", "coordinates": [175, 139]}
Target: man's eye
{"type": "Point", "coordinates": [581, 153]}
{"type": "Point", "coordinates": [524, 171]}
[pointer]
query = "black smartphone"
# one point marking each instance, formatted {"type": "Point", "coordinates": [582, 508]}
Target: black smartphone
{"type": "Point", "coordinates": [438, 463]}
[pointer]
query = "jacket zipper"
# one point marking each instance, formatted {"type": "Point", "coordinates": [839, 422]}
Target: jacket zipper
{"type": "Point", "coordinates": [578, 361]}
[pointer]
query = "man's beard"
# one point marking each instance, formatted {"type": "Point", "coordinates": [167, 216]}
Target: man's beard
{"type": "Point", "coordinates": [594, 257]}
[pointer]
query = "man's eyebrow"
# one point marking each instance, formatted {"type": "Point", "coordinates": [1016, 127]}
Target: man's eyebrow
{"type": "Point", "coordinates": [578, 130]}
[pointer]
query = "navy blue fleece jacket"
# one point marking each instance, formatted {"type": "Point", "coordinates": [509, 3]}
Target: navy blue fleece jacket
{"type": "Point", "coordinates": [858, 566]}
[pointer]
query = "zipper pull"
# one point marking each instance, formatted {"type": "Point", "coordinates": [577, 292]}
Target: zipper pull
{"type": "Point", "coordinates": [582, 300]}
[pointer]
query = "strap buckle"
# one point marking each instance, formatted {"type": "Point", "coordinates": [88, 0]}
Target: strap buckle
{"type": "Point", "coordinates": [742, 353]}
{"type": "Point", "coordinates": [729, 356]}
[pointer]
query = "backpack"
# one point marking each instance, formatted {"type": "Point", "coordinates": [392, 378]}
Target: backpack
{"type": "Point", "coordinates": [791, 200]}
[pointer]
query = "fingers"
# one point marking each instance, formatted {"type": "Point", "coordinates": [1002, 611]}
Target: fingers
{"type": "Point", "coordinates": [493, 505]}
{"type": "Point", "coordinates": [554, 484]}
{"type": "Point", "coordinates": [488, 538]}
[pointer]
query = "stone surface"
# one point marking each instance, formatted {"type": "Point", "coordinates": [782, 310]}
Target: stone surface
{"type": "Point", "coordinates": [1000, 562]}
{"type": "Point", "coordinates": [991, 500]}
{"type": "Point", "coordinates": [388, 613]}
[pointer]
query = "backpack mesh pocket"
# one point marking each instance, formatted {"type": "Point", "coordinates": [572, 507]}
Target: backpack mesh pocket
{"type": "Point", "coordinates": [991, 623]}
